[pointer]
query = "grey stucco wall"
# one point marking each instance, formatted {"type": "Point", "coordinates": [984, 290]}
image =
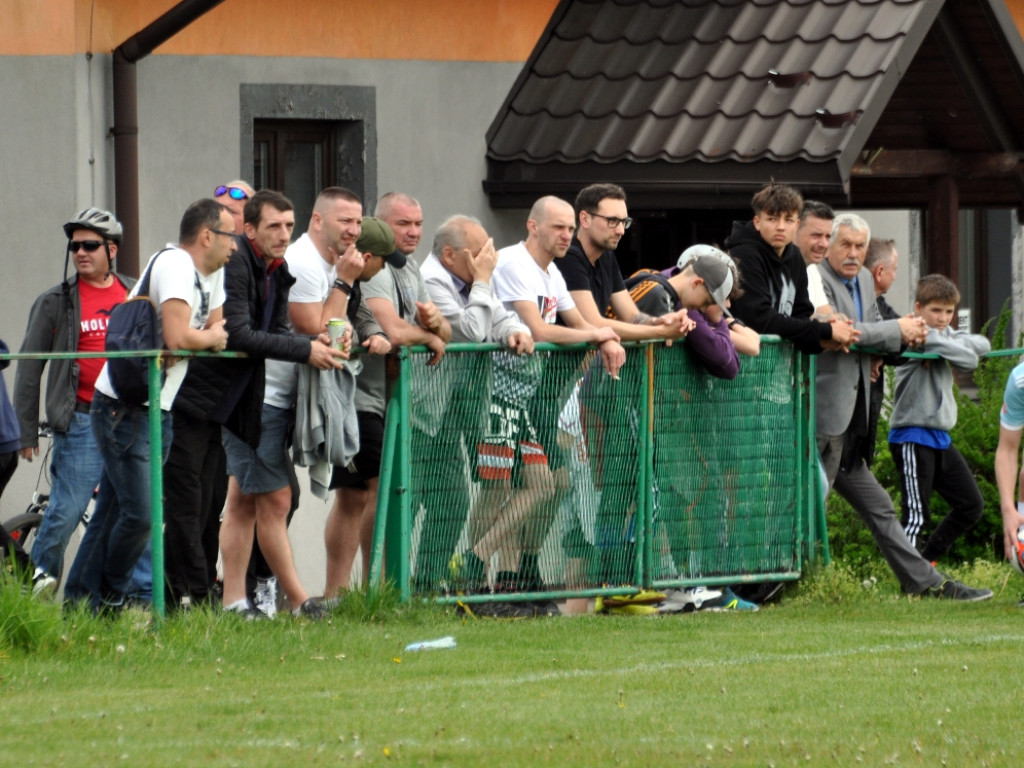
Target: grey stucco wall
{"type": "Point", "coordinates": [431, 119]}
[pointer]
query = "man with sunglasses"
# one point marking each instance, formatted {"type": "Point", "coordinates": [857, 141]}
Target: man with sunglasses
{"type": "Point", "coordinates": [70, 317]}
{"type": "Point", "coordinates": [233, 196]}
{"type": "Point", "coordinates": [186, 287]}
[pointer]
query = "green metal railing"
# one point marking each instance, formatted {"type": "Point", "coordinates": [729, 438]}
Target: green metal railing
{"type": "Point", "coordinates": [156, 469]}
{"type": "Point", "coordinates": [665, 423]}
{"type": "Point", "coordinates": [698, 480]}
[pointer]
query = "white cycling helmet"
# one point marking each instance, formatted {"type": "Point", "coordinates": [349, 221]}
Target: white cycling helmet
{"type": "Point", "coordinates": [96, 220]}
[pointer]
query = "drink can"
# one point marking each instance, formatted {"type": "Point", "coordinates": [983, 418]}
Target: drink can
{"type": "Point", "coordinates": [336, 330]}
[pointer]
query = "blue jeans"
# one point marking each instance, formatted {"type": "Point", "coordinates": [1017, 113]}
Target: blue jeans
{"type": "Point", "coordinates": [119, 529]}
{"type": "Point", "coordinates": [76, 468]}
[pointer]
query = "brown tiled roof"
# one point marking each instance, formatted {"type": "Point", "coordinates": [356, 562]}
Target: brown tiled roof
{"type": "Point", "coordinates": [690, 100]}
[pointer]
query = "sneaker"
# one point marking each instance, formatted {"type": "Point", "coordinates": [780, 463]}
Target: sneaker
{"type": "Point", "coordinates": [44, 586]}
{"type": "Point", "coordinates": [730, 601]}
{"type": "Point", "coordinates": [311, 609]}
{"type": "Point", "coordinates": [246, 610]}
{"type": "Point", "coordinates": [688, 599]}
{"type": "Point", "coordinates": [265, 596]}
{"type": "Point", "coordinates": [951, 589]}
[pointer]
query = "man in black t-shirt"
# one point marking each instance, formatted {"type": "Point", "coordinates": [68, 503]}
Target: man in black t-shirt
{"type": "Point", "coordinates": [592, 274]}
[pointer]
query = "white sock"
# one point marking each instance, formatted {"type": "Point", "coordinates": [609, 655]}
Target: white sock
{"type": "Point", "coordinates": [238, 605]}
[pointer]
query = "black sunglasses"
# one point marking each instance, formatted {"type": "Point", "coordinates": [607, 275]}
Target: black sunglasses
{"type": "Point", "coordinates": [89, 246]}
{"type": "Point", "coordinates": [233, 192]}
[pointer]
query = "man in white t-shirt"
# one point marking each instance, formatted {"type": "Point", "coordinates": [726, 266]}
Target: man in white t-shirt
{"type": "Point", "coordinates": [186, 285]}
{"type": "Point", "coordinates": [528, 283]}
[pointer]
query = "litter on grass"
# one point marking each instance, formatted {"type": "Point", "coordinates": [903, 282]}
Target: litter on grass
{"type": "Point", "coordinates": [428, 645]}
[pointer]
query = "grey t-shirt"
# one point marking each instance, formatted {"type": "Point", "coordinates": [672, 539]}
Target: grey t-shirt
{"type": "Point", "coordinates": [403, 288]}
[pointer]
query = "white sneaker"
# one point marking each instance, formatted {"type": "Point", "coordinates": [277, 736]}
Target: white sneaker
{"type": "Point", "coordinates": [266, 596]}
{"type": "Point", "coordinates": [688, 599]}
{"type": "Point", "coordinates": [44, 586]}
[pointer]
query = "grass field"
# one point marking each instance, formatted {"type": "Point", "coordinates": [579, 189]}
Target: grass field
{"type": "Point", "coordinates": [833, 674]}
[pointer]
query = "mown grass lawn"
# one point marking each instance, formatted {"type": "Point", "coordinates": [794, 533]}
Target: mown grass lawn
{"type": "Point", "coordinates": [826, 676]}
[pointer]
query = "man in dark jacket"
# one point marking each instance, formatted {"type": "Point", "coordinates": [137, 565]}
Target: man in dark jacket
{"type": "Point", "coordinates": [229, 392]}
{"type": "Point", "coordinates": [70, 317]}
{"type": "Point", "coordinates": [775, 296]}
{"type": "Point", "coordinates": [9, 433]}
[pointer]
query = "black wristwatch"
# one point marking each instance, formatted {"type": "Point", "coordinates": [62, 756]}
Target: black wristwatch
{"type": "Point", "coordinates": [344, 287]}
{"type": "Point", "coordinates": [736, 321]}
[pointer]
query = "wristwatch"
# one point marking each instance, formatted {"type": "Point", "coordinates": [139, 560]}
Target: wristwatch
{"type": "Point", "coordinates": [736, 321]}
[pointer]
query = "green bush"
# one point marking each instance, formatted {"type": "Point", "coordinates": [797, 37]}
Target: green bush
{"type": "Point", "coordinates": [975, 436]}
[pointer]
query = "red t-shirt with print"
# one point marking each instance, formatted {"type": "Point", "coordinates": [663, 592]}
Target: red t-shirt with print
{"type": "Point", "coordinates": [97, 303]}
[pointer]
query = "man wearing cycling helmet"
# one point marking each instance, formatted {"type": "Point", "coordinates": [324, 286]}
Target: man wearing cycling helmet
{"type": "Point", "coordinates": [70, 317]}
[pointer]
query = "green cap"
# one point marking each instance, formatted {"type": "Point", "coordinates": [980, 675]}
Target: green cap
{"type": "Point", "coordinates": [378, 239]}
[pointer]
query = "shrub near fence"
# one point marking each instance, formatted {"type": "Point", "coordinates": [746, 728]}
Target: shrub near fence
{"type": "Point", "coordinates": [666, 476]}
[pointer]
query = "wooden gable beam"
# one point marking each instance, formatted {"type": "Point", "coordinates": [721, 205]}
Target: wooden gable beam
{"type": "Point", "coordinates": [915, 163]}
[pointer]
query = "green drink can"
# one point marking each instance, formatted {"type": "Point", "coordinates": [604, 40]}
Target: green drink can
{"type": "Point", "coordinates": [336, 330]}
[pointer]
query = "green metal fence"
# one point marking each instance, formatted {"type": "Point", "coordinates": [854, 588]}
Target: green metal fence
{"type": "Point", "coordinates": [666, 476]}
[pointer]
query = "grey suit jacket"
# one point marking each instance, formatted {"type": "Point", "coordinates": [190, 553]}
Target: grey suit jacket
{"type": "Point", "coordinates": [841, 374]}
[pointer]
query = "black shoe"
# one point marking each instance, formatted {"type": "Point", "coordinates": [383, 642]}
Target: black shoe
{"type": "Point", "coordinates": [529, 574]}
{"type": "Point", "coordinates": [311, 609]}
{"type": "Point", "coordinates": [951, 589]}
{"type": "Point", "coordinates": [506, 582]}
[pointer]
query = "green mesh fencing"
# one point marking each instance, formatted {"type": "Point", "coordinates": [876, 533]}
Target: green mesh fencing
{"type": "Point", "coordinates": [543, 475]}
{"type": "Point", "coordinates": [727, 468]}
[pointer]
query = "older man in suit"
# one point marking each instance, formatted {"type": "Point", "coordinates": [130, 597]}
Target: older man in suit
{"type": "Point", "coordinates": [843, 382]}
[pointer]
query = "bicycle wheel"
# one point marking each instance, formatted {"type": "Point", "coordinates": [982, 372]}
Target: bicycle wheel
{"type": "Point", "coordinates": [23, 529]}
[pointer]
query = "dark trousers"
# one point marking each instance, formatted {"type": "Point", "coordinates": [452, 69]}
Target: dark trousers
{"type": "Point", "coordinates": [195, 486]}
{"type": "Point", "coordinates": [872, 504]}
{"type": "Point", "coordinates": [440, 479]}
{"type": "Point", "coordinates": [924, 470]}
{"type": "Point", "coordinates": [9, 463]}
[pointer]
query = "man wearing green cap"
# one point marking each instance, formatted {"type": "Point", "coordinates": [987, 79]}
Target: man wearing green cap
{"type": "Point", "coordinates": [398, 299]}
{"type": "Point", "coordinates": [356, 482]}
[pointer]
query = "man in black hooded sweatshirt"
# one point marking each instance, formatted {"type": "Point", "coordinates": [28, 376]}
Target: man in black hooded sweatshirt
{"type": "Point", "coordinates": [775, 296]}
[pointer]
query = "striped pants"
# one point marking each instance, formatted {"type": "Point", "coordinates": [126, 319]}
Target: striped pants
{"type": "Point", "coordinates": [924, 470]}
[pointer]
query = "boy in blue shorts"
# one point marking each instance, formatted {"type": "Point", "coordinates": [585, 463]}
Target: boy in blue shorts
{"type": "Point", "coordinates": [924, 411]}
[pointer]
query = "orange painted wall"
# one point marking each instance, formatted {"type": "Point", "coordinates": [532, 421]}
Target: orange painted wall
{"type": "Point", "coordinates": [433, 30]}
{"type": "Point", "coordinates": [1017, 11]}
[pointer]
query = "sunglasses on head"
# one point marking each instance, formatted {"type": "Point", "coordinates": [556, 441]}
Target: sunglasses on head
{"type": "Point", "coordinates": [233, 192]}
{"type": "Point", "coordinates": [89, 246]}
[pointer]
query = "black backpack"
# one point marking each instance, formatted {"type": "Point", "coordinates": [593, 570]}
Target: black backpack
{"type": "Point", "coordinates": [640, 293]}
{"type": "Point", "coordinates": [133, 326]}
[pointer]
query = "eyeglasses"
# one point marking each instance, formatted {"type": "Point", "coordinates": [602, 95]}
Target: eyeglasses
{"type": "Point", "coordinates": [614, 221]}
{"type": "Point", "coordinates": [222, 232]}
{"type": "Point", "coordinates": [235, 193]}
{"type": "Point", "coordinates": [89, 246]}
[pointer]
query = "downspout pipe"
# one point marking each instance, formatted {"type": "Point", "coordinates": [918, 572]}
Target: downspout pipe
{"type": "Point", "coordinates": [126, 119]}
